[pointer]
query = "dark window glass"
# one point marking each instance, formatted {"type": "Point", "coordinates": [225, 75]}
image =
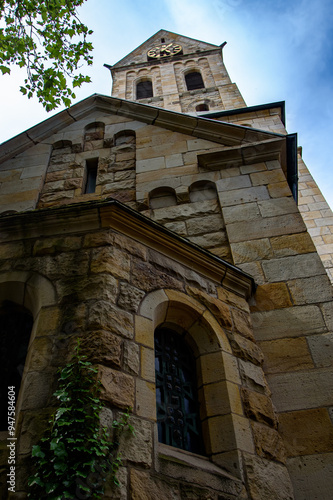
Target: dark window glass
{"type": "Point", "coordinates": [176, 392]}
{"type": "Point", "coordinates": [194, 81]}
{"type": "Point", "coordinates": [15, 330]}
{"type": "Point", "coordinates": [91, 166]}
{"type": "Point", "coordinates": [144, 89]}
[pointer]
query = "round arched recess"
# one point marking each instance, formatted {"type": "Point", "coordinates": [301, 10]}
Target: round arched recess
{"type": "Point", "coordinates": [218, 376]}
{"type": "Point", "coordinates": [30, 290]}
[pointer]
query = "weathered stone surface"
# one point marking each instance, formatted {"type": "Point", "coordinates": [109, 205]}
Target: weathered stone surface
{"type": "Point", "coordinates": [98, 286]}
{"type": "Point", "coordinates": [321, 348]}
{"type": "Point", "coordinates": [306, 432]}
{"type": "Point", "coordinates": [253, 376]}
{"type": "Point", "coordinates": [98, 239]}
{"type": "Point", "coordinates": [289, 322]}
{"type": "Point", "coordinates": [288, 268]}
{"type": "Point", "coordinates": [102, 347]}
{"type": "Point", "coordinates": [245, 349]}
{"type": "Point", "coordinates": [310, 290]}
{"type": "Point", "coordinates": [220, 310]}
{"type": "Point", "coordinates": [117, 388]}
{"type": "Point", "coordinates": [41, 351]}
{"type": "Point", "coordinates": [146, 277]}
{"type": "Point", "coordinates": [129, 297]}
{"type": "Point", "coordinates": [12, 250]}
{"type": "Point", "coordinates": [265, 227]}
{"type": "Point", "coordinates": [239, 213]}
{"type": "Point", "coordinates": [290, 354]}
{"type": "Point", "coordinates": [203, 225]}
{"type": "Point", "coordinates": [33, 427]}
{"type": "Point", "coordinates": [145, 487]}
{"type": "Point", "coordinates": [277, 206]}
{"type": "Point", "coordinates": [145, 399]}
{"type": "Point", "coordinates": [111, 260]}
{"type": "Point", "coordinates": [300, 390]}
{"type": "Point", "coordinates": [245, 195]}
{"type": "Point", "coordinates": [267, 480]}
{"type": "Point", "coordinates": [312, 476]}
{"type": "Point", "coordinates": [254, 269]}
{"type": "Point", "coordinates": [232, 299]}
{"type": "Point", "coordinates": [268, 442]}
{"type": "Point", "coordinates": [271, 296]}
{"type": "Point", "coordinates": [104, 316]}
{"type": "Point", "coordinates": [131, 357]}
{"type": "Point", "coordinates": [292, 245]}
{"type": "Point", "coordinates": [114, 492]}
{"type": "Point", "coordinates": [130, 246]}
{"type": "Point", "coordinates": [249, 251]}
{"type": "Point", "coordinates": [37, 387]}
{"type": "Point", "coordinates": [182, 212]}
{"type": "Point", "coordinates": [258, 407]}
{"type": "Point", "coordinates": [242, 323]}
{"type": "Point", "coordinates": [56, 245]}
{"type": "Point", "coordinates": [64, 265]}
{"type": "Point", "coordinates": [210, 240]}
{"type": "Point", "coordinates": [137, 448]}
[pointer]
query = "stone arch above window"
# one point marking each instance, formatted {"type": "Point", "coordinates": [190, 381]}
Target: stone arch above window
{"type": "Point", "coordinates": [144, 89]}
{"type": "Point", "coordinates": [23, 297]}
{"type": "Point", "coordinates": [202, 190]}
{"type": "Point", "coordinates": [217, 370]}
{"type": "Point", "coordinates": [162, 197]}
{"type": "Point", "coordinates": [193, 80]}
{"type": "Point", "coordinates": [124, 137]}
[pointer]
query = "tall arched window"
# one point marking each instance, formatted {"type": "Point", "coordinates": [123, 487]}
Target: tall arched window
{"type": "Point", "coordinates": [144, 89]}
{"type": "Point", "coordinates": [15, 329]}
{"type": "Point", "coordinates": [194, 80]}
{"type": "Point", "coordinates": [176, 392]}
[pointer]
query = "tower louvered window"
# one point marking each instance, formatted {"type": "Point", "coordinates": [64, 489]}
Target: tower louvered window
{"type": "Point", "coordinates": [176, 392]}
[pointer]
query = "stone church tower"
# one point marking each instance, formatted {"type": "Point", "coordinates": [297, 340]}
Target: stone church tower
{"type": "Point", "coordinates": [166, 227]}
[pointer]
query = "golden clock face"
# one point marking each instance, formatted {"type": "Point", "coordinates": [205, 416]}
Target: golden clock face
{"type": "Point", "coordinates": [165, 50]}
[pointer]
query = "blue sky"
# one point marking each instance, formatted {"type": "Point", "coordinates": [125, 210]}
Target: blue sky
{"type": "Point", "coordinates": [276, 50]}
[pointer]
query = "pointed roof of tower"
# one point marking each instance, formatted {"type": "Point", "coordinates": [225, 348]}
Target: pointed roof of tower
{"type": "Point", "coordinates": [189, 46]}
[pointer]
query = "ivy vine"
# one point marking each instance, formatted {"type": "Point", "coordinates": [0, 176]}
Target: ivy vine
{"type": "Point", "coordinates": [75, 456]}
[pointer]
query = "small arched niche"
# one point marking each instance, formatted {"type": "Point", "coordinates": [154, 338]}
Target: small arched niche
{"type": "Point", "coordinates": [162, 197]}
{"type": "Point", "coordinates": [124, 137]}
{"type": "Point", "coordinates": [202, 190]}
{"type": "Point", "coordinates": [94, 136]}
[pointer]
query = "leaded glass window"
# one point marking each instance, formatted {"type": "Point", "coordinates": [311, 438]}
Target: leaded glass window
{"type": "Point", "coordinates": [176, 392]}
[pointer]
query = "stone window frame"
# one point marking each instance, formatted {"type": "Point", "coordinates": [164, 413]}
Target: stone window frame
{"type": "Point", "coordinates": [36, 294]}
{"type": "Point", "coordinates": [226, 430]}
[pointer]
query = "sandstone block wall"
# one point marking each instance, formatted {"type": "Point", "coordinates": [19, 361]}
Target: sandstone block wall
{"type": "Point", "coordinates": [317, 215]}
{"type": "Point", "coordinates": [82, 278]}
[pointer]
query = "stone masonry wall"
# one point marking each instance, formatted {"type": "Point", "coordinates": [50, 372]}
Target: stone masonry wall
{"type": "Point", "coordinates": [291, 313]}
{"type": "Point", "coordinates": [106, 289]}
{"type": "Point", "coordinates": [317, 215]}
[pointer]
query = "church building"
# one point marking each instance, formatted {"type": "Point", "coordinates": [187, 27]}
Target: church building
{"type": "Point", "coordinates": [179, 235]}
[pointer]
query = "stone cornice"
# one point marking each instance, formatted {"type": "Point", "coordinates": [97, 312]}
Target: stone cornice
{"type": "Point", "coordinates": [114, 215]}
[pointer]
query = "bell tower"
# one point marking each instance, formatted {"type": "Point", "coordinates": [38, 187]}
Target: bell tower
{"type": "Point", "coordinates": [176, 73]}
